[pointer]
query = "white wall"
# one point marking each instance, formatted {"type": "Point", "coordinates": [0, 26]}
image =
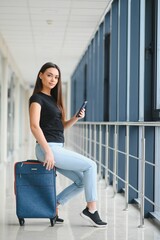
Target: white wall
{"type": "Point", "coordinates": [14, 132]}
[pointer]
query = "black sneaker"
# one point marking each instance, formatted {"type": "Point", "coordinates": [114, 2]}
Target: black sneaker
{"type": "Point", "coordinates": [59, 220]}
{"type": "Point", "coordinates": [93, 218]}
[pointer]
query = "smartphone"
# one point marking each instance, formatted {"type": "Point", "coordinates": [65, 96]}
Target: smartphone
{"type": "Point", "coordinates": [83, 106]}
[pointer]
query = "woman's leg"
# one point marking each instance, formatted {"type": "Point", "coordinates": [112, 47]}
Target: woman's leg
{"type": "Point", "coordinates": [73, 162]}
{"type": "Point", "coordinates": [73, 189]}
{"type": "Point", "coordinates": [66, 160]}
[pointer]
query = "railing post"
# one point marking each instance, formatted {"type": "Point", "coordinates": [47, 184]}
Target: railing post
{"type": "Point", "coordinates": [74, 134]}
{"type": "Point", "coordinates": [115, 161]}
{"type": "Point", "coordinates": [83, 139]}
{"type": "Point", "coordinates": [95, 143]}
{"type": "Point", "coordinates": [90, 142]}
{"type": "Point", "coordinates": [127, 168]}
{"type": "Point", "coordinates": [87, 151]}
{"type": "Point", "coordinates": [79, 139]}
{"type": "Point", "coordinates": [106, 163]}
{"type": "Point", "coordinates": [100, 152]}
{"type": "Point", "coordinates": [142, 190]}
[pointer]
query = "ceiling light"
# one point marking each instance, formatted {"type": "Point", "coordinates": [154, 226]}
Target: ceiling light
{"type": "Point", "coordinates": [49, 21]}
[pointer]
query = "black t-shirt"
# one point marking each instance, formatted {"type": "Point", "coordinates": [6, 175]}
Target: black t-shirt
{"type": "Point", "coordinates": [50, 117]}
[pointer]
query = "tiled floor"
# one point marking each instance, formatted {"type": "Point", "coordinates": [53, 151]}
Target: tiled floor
{"type": "Point", "coordinates": [122, 225]}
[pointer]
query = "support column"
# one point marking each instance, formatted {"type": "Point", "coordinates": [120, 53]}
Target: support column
{"type": "Point", "coordinates": [141, 60]}
{"type": "Point", "coordinates": [4, 109]}
{"type": "Point", "coordinates": [128, 57]}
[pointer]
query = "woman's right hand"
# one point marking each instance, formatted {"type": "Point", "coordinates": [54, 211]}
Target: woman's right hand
{"type": "Point", "coordinates": [49, 160]}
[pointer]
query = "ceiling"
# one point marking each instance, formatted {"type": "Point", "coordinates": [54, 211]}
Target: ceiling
{"type": "Point", "coordinates": [38, 31]}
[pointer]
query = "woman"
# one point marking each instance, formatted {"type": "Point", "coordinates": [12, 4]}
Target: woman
{"type": "Point", "coordinates": [47, 122]}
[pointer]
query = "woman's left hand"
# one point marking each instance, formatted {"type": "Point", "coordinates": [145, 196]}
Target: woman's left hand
{"type": "Point", "coordinates": [82, 114]}
{"type": "Point", "coordinates": [74, 119]}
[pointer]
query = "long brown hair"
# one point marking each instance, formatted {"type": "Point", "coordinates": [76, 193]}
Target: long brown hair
{"type": "Point", "coordinates": [56, 92]}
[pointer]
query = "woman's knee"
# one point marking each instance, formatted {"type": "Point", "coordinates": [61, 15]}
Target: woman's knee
{"type": "Point", "coordinates": [93, 165]}
{"type": "Point", "coordinates": [79, 183]}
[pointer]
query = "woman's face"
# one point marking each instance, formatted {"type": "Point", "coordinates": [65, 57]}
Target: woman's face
{"type": "Point", "coordinates": [49, 78]}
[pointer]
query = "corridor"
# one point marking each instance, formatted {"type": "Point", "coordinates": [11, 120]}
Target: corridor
{"type": "Point", "coordinates": [109, 55]}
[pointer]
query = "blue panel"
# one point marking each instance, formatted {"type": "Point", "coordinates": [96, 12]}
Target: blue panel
{"type": "Point", "coordinates": [133, 163]}
{"type": "Point", "coordinates": [106, 77]}
{"type": "Point", "coordinates": [78, 103]}
{"type": "Point", "coordinates": [100, 86]}
{"type": "Point", "coordinates": [134, 99]}
{"type": "Point", "coordinates": [149, 60]}
{"type": "Point", "coordinates": [121, 157]}
{"type": "Point", "coordinates": [107, 23]}
{"type": "Point", "coordinates": [89, 89]}
{"type": "Point", "coordinates": [86, 84]}
{"type": "Point", "coordinates": [98, 75]}
{"type": "Point", "coordinates": [122, 88]}
{"type": "Point", "coordinates": [94, 77]}
{"type": "Point", "coordinates": [106, 67]}
{"type": "Point", "coordinates": [73, 101]}
{"type": "Point", "coordinates": [134, 61]}
{"type": "Point", "coordinates": [111, 152]}
{"type": "Point", "coordinates": [113, 67]}
{"type": "Point", "coordinates": [123, 61]}
{"type": "Point", "coordinates": [98, 80]}
{"type": "Point", "coordinates": [149, 173]}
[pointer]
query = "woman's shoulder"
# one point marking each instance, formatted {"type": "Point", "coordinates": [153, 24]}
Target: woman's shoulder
{"type": "Point", "coordinates": [36, 97]}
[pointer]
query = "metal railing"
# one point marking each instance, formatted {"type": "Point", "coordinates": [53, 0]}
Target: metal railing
{"type": "Point", "coordinates": [92, 139]}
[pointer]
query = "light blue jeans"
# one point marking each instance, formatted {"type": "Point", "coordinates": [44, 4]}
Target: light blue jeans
{"type": "Point", "coordinates": [78, 168]}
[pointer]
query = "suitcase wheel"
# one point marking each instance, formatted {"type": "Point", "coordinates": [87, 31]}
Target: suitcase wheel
{"type": "Point", "coordinates": [52, 221]}
{"type": "Point", "coordinates": [21, 221]}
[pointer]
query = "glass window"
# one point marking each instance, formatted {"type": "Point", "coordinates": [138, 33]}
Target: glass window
{"type": "Point", "coordinates": [158, 59]}
{"type": "Point", "coordinates": [157, 175]}
{"type": "Point", "coordinates": [10, 125]}
{"type": "Point", "coordinates": [157, 138]}
{"type": "Point", "coordinates": [156, 112]}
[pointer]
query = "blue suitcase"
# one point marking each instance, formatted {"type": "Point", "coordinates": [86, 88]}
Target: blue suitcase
{"type": "Point", "coordinates": [35, 189]}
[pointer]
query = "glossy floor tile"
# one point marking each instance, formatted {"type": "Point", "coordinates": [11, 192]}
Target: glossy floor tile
{"type": "Point", "coordinates": [122, 225]}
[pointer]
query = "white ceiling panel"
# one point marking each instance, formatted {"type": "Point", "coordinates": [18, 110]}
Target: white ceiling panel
{"type": "Point", "coordinates": [37, 31]}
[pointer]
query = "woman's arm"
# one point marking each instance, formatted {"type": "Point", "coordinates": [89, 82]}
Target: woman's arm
{"type": "Point", "coordinates": [34, 114]}
{"type": "Point", "coordinates": [74, 119]}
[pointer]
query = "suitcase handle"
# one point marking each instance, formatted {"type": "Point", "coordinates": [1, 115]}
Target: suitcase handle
{"type": "Point", "coordinates": [37, 161]}
{"type": "Point", "coordinates": [34, 161]}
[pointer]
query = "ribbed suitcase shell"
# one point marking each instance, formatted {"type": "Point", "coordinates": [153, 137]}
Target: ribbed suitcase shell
{"type": "Point", "coordinates": [35, 189]}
